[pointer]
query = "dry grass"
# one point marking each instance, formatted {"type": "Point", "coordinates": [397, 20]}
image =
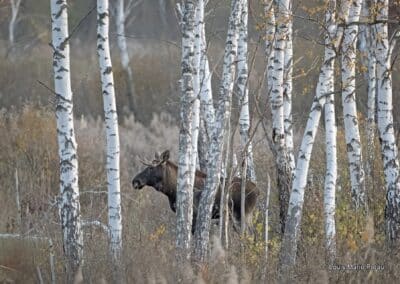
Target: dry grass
{"type": "Point", "coordinates": [28, 143]}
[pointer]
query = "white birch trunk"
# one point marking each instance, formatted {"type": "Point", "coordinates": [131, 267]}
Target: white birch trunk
{"type": "Point", "coordinates": [385, 124]}
{"type": "Point", "coordinates": [215, 150]}
{"type": "Point", "coordinates": [371, 109]}
{"type": "Point", "coordinates": [269, 43]}
{"type": "Point", "coordinates": [226, 177]}
{"type": "Point", "coordinates": [195, 133]}
{"type": "Point", "coordinates": [202, 145]}
{"type": "Point", "coordinates": [243, 92]}
{"type": "Point", "coordinates": [352, 132]}
{"type": "Point", "coordinates": [292, 227]}
{"type": "Point", "coordinates": [162, 4]}
{"type": "Point", "coordinates": [112, 134]}
{"type": "Point", "coordinates": [15, 4]}
{"type": "Point", "coordinates": [69, 190]}
{"type": "Point", "coordinates": [265, 209]}
{"type": "Point", "coordinates": [197, 80]}
{"type": "Point", "coordinates": [287, 91]}
{"type": "Point", "coordinates": [207, 111]}
{"type": "Point", "coordinates": [284, 174]}
{"type": "Point", "coordinates": [17, 200]}
{"type": "Point", "coordinates": [120, 19]}
{"type": "Point", "coordinates": [362, 37]}
{"type": "Point", "coordinates": [330, 175]}
{"type": "Point", "coordinates": [206, 98]}
{"type": "Point", "coordinates": [330, 139]}
{"type": "Point", "coordinates": [243, 195]}
{"type": "Point", "coordinates": [185, 170]}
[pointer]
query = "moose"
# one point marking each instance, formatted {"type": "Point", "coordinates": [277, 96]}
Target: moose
{"type": "Point", "coordinates": [161, 174]}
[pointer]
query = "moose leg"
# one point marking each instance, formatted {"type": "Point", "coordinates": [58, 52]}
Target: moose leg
{"type": "Point", "coordinates": [194, 223]}
{"type": "Point", "coordinates": [194, 218]}
{"type": "Point", "coordinates": [172, 204]}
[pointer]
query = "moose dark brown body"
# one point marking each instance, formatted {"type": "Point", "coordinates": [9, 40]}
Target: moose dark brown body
{"type": "Point", "coordinates": [162, 175]}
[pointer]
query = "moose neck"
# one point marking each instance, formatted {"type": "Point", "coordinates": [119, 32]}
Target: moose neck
{"type": "Point", "coordinates": [169, 181]}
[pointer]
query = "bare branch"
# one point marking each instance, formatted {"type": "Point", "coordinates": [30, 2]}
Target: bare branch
{"type": "Point", "coordinates": [131, 5]}
{"type": "Point", "coordinates": [79, 24]}
{"type": "Point", "coordinates": [149, 38]}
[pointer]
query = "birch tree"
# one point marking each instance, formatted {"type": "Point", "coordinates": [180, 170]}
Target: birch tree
{"type": "Point", "coordinates": [277, 107]}
{"type": "Point", "coordinates": [218, 133]}
{"type": "Point", "coordinates": [371, 90]}
{"type": "Point", "coordinates": [269, 43]}
{"type": "Point", "coordinates": [69, 190]}
{"type": "Point", "coordinates": [185, 170]}
{"type": "Point", "coordinates": [112, 133]}
{"type": "Point", "coordinates": [15, 4]}
{"type": "Point", "coordinates": [207, 112]}
{"type": "Point", "coordinates": [265, 208]}
{"type": "Point", "coordinates": [352, 133]}
{"type": "Point", "coordinates": [294, 213]}
{"type": "Point", "coordinates": [162, 4]}
{"type": "Point", "coordinates": [197, 79]}
{"type": "Point", "coordinates": [121, 15]}
{"type": "Point", "coordinates": [330, 137]}
{"type": "Point", "coordinates": [243, 93]}
{"type": "Point", "coordinates": [385, 123]}
{"type": "Point", "coordinates": [287, 89]}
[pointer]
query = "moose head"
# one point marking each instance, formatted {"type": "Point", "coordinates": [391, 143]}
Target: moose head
{"type": "Point", "coordinates": [154, 173]}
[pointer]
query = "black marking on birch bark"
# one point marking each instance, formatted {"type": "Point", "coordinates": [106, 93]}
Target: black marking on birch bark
{"type": "Point", "coordinates": [58, 55]}
{"type": "Point", "coordinates": [108, 70]}
{"type": "Point", "coordinates": [389, 128]}
{"type": "Point", "coordinates": [65, 102]}
{"type": "Point", "coordinates": [100, 37]}
{"type": "Point", "coordinates": [391, 164]}
{"type": "Point", "coordinates": [62, 7]}
{"type": "Point", "coordinates": [62, 69]}
{"type": "Point", "coordinates": [61, 107]}
{"type": "Point", "coordinates": [101, 17]}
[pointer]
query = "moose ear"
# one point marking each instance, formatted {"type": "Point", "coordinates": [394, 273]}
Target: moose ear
{"type": "Point", "coordinates": [165, 156]}
{"type": "Point", "coordinates": [157, 156]}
